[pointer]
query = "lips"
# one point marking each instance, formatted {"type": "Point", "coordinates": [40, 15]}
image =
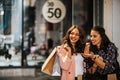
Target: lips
{"type": "Point", "coordinates": [73, 39]}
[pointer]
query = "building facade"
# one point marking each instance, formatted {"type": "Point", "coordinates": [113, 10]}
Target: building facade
{"type": "Point", "coordinates": [27, 36]}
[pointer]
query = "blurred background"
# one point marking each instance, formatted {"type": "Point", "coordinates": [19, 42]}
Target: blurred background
{"type": "Point", "coordinates": [30, 29]}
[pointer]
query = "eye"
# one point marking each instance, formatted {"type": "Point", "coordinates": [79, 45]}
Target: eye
{"type": "Point", "coordinates": [72, 33]}
{"type": "Point", "coordinates": [90, 36]}
{"type": "Point", "coordinates": [94, 36]}
{"type": "Point", "coordinates": [76, 34]}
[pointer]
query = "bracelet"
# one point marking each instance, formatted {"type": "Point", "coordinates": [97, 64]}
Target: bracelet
{"type": "Point", "coordinates": [94, 58]}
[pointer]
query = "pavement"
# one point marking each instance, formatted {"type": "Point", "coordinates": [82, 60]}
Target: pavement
{"type": "Point", "coordinates": [39, 76]}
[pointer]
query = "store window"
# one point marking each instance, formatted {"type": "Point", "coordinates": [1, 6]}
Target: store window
{"type": "Point", "coordinates": [30, 29]}
{"type": "Point", "coordinates": [10, 33]}
{"type": "Point", "coordinates": [82, 14]}
{"type": "Point", "coordinates": [43, 30]}
{"type": "Point", "coordinates": [44, 23]}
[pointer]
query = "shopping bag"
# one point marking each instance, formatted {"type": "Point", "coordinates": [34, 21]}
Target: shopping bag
{"type": "Point", "coordinates": [111, 77]}
{"type": "Point", "coordinates": [56, 67]}
{"type": "Point", "coordinates": [79, 77]}
{"type": "Point", "coordinates": [47, 66]}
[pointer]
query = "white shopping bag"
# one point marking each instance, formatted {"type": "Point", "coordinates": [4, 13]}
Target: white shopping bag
{"type": "Point", "coordinates": [56, 67]}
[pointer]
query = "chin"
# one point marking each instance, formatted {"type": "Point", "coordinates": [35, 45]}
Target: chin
{"type": "Point", "coordinates": [93, 44]}
{"type": "Point", "coordinates": [73, 42]}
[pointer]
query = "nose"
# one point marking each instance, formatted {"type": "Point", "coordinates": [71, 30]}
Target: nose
{"type": "Point", "coordinates": [73, 35]}
{"type": "Point", "coordinates": [91, 38]}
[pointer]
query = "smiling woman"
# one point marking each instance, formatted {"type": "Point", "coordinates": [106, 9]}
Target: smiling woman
{"type": "Point", "coordinates": [102, 55]}
{"type": "Point", "coordinates": [70, 53]}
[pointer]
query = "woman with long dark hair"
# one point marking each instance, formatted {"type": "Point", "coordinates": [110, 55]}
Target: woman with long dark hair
{"type": "Point", "coordinates": [101, 55]}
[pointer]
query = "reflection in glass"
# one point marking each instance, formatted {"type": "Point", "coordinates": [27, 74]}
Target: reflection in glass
{"type": "Point", "coordinates": [10, 33]}
{"type": "Point", "coordinates": [40, 36]}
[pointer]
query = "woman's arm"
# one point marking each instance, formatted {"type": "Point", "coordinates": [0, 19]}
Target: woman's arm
{"type": "Point", "coordinates": [98, 60]}
{"type": "Point", "coordinates": [64, 59]}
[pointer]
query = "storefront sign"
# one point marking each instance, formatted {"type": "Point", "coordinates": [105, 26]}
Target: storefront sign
{"type": "Point", "coordinates": [54, 11]}
{"type": "Point", "coordinates": [8, 39]}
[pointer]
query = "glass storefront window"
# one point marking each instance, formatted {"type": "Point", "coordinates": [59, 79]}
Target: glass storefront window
{"type": "Point", "coordinates": [27, 37]}
{"type": "Point", "coordinates": [10, 32]}
{"type": "Point", "coordinates": [40, 35]}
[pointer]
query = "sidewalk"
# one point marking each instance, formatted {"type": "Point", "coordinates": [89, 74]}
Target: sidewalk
{"type": "Point", "coordinates": [39, 76]}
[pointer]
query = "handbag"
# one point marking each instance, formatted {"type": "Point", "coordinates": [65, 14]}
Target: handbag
{"type": "Point", "coordinates": [47, 66]}
{"type": "Point", "coordinates": [51, 65]}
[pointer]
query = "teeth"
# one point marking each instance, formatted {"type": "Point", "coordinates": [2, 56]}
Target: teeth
{"type": "Point", "coordinates": [73, 39]}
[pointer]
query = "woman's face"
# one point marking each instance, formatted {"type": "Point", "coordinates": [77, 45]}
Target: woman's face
{"type": "Point", "coordinates": [74, 36]}
{"type": "Point", "coordinates": [95, 38]}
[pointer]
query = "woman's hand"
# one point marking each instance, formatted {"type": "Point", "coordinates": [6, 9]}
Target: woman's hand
{"type": "Point", "coordinates": [87, 47]}
{"type": "Point", "coordinates": [87, 52]}
{"type": "Point", "coordinates": [92, 70]}
{"type": "Point", "coordinates": [90, 55]}
{"type": "Point", "coordinates": [68, 50]}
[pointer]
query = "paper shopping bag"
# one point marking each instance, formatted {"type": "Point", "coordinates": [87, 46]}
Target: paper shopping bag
{"type": "Point", "coordinates": [79, 77]}
{"type": "Point", "coordinates": [111, 77]}
{"type": "Point", "coordinates": [47, 67]}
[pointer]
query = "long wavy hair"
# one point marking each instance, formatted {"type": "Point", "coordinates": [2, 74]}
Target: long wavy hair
{"type": "Point", "coordinates": [80, 44]}
{"type": "Point", "coordinates": [104, 39]}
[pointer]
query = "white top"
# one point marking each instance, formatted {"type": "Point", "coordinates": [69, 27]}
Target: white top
{"type": "Point", "coordinates": [79, 68]}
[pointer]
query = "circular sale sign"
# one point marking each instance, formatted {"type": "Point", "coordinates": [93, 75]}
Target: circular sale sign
{"type": "Point", "coordinates": [54, 11]}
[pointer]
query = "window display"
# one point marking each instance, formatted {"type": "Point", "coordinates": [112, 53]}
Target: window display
{"type": "Point", "coordinates": [10, 33]}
